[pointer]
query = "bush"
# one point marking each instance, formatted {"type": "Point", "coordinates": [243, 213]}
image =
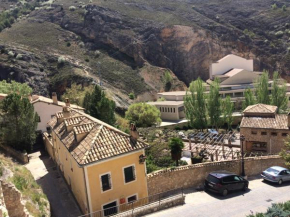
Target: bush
{"type": "Point", "coordinates": [19, 57]}
{"type": "Point", "coordinates": [72, 8]}
{"type": "Point", "coordinates": [279, 34]}
{"type": "Point", "coordinates": [131, 96]}
{"type": "Point", "coordinates": [61, 61]}
{"type": "Point", "coordinates": [284, 8]}
{"type": "Point", "coordinates": [97, 53]}
{"type": "Point", "coordinates": [87, 59]}
{"type": "Point", "coordinates": [20, 183]}
{"type": "Point", "coordinates": [274, 6]}
{"type": "Point", "coordinates": [11, 54]}
{"type": "Point", "coordinates": [68, 44]}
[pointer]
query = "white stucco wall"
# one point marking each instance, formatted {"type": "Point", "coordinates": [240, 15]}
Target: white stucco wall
{"type": "Point", "coordinates": [229, 62]}
{"type": "Point", "coordinates": [45, 111]}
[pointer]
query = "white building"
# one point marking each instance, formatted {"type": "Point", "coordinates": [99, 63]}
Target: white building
{"type": "Point", "coordinates": [46, 108]}
{"type": "Point", "coordinates": [236, 74]}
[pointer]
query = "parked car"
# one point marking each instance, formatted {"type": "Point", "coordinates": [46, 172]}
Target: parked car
{"type": "Point", "coordinates": [181, 134]}
{"type": "Point", "coordinates": [223, 182]}
{"type": "Point", "coordinates": [213, 131]}
{"type": "Point", "coordinates": [276, 174]}
{"type": "Point", "coordinates": [200, 136]}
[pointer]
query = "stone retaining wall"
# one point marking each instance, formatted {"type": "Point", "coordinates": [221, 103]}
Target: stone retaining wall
{"type": "Point", "coordinates": [3, 210]}
{"type": "Point", "coordinates": [194, 175]}
{"type": "Point", "coordinates": [13, 201]}
{"type": "Point", "coordinates": [21, 157]}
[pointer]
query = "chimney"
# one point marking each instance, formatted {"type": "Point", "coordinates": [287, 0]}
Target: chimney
{"type": "Point", "coordinates": [67, 103]}
{"type": "Point", "coordinates": [66, 112]}
{"type": "Point", "coordinates": [54, 98]}
{"type": "Point", "coordinates": [288, 119]}
{"type": "Point", "coordinates": [133, 132]}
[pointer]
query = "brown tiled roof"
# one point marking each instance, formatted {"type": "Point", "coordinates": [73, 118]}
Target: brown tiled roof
{"type": "Point", "coordinates": [102, 141]}
{"type": "Point", "coordinates": [279, 122]}
{"type": "Point", "coordinates": [261, 108]}
{"type": "Point", "coordinates": [84, 128]}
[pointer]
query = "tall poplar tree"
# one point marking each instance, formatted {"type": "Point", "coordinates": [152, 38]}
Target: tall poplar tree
{"type": "Point", "coordinates": [214, 103]}
{"type": "Point", "coordinates": [228, 107]}
{"type": "Point", "coordinates": [249, 98]}
{"type": "Point", "coordinates": [278, 96]}
{"type": "Point", "coordinates": [262, 89]}
{"type": "Point", "coordinates": [195, 106]}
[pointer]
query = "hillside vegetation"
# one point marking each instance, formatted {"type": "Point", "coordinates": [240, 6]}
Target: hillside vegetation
{"type": "Point", "coordinates": [35, 200]}
{"type": "Point", "coordinates": [128, 46]}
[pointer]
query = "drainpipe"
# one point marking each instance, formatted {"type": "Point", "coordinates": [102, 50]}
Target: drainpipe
{"type": "Point", "coordinates": [86, 188]}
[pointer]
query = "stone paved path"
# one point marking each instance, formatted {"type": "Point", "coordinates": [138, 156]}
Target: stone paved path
{"type": "Point", "coordinates": [44, 172]}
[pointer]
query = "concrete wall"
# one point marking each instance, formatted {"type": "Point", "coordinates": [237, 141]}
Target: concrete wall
{"type": "Point", "coordinates": [274, 143]}
{"type": "Point", "coordinates": [230, 62]}
{"type": "Point", "coordinates": [194, 175]}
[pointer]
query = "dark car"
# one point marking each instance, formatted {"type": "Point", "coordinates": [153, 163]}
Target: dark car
{"type": "Point", "coordinates": [223, 181]}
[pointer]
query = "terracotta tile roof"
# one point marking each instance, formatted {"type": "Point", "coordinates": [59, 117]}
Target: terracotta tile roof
{"type": "Point", "coordinates": [101, 141]}
{"type": "Point", "coordinates": [261, 108]}
{"type": "Point", "coordinates": [73, 120]}
{"type": "Point", "coordinates": [279, 122]}
{"type": "Point", "coordinates": [84, 128]}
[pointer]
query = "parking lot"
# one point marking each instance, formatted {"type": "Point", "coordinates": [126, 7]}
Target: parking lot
{"type": "Point", "coordinates": [239, 204]}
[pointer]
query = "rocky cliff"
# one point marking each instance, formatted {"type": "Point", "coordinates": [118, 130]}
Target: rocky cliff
{"type": "Point", "coordinates": [129, 45]}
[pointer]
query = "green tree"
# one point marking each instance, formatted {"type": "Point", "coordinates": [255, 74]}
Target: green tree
{"type": "Point", "coordinates": [285, 153]}
{"type": "Point", "coordinates": [279, 89]}
{"type": "Point", "coordinates": [249, 98]}
{"type": "Point", "coordinates": [262, 89]}
{"type": "Point", "coordinates": [76, 93]}
{"type": "Point", "coordinates": [15, 87]}
{"type": "Point", "coordinates": [99, 106]}
{"type": "Point", "coordinates": [195, 106]}
{"type": "Point", "coordinates": [176, 145]}
{"type": "Point", "coordinates": [19, 122]}
{"type": "Point", "coordinates": [167, 80]}
{"type": "Point", "coordinates": [228, 107]}
{"type": "Point", "coordinates": [214, 103]}
{"type": "Point", "coordinates": [143, 115]}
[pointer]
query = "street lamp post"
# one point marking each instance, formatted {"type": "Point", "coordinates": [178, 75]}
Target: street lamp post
{"type": "Point", "coordinates": [242, 139]}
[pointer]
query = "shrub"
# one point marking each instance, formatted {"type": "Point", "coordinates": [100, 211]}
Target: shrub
{"type": "Point", "coordinates": [274, 6]}
{"type": "Point", "coordinates": [279, 34]}
{"type": "Point", "coordinates": [19, 57]}
{"type": "Point", "coordinates": [97, 53]}
{"type": "Point", "coordinates": [81, 44]}
{"type": "Point", "coordinates": [284, 8]}
{"type": "Point", "coordinates": [72, 8]}
{"type": "Point", "coordinates": [60, 61]}
{"type": "Point", "coordinates": [11, 54]}
{"type": "Point", "coordinates": [87, 59]}
{"type": "Point", "coordinates": [68, 44]}
{"type": "Point", "coordinates": [131, 96]}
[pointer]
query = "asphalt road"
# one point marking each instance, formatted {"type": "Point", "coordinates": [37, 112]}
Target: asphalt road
{"type": "Point", "coordinates": [237, 204]}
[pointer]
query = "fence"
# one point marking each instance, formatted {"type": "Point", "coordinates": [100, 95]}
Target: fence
{"type": "Point", "coordinates": [132, 208]}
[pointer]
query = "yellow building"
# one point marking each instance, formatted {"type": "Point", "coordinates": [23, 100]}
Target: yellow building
{"type": "Point", "coordinates": [103, 166]}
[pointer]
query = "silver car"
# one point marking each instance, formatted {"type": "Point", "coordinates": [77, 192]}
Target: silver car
{"type": "Point", "coordinates": [276, 174]}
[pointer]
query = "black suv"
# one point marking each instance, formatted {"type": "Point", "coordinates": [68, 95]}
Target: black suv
{"type": "Point", "coordinates": [223, 181]}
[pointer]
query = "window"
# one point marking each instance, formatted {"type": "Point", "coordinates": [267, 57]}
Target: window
{"type": "Point", "coordinates": [171, 110]}
{"type": "Point", "coordinates": [273, 134]}
{"type": "Point", "coordinates": [129, 173]}
{"type": "Point", "coordinates": [174, 110]}
{"type": "Point", "coordinates": [263, 133]}
{"type": "Point", "coordinates": [254, 132]}
{"type": "Point", "coordinates": [106, 182]}
{"type": "Point", "coordinates": [39, 120]}
{"type": "Point", "coordinates": [132, 199]}
{"type": "Point", "coordinates": [284, 134]}
{"type": "Point", "coordinates": [110, 209]}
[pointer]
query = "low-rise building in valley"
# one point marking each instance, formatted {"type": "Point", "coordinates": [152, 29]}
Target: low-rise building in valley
{"type": "Point", "coordinates": [264, 129]}
{"type": "Point", "coordinates": [170, 110]}
{"type": "Point", "coordinates": [103, 166]}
